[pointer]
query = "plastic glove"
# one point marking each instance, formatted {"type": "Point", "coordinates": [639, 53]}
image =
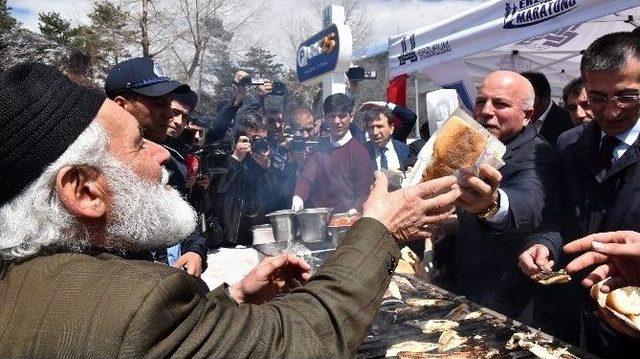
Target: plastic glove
{"type": "Point", "coordinates": [296, 203]}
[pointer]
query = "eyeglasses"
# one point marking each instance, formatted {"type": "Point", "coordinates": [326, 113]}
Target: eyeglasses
{"type": "Point", "coordinates": [622, 101]}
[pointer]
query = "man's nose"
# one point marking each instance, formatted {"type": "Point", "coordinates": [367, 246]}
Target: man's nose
{"type": "Point", "coordinates": [611, 110]}
{"type": "Point", "coordinates": [487, 109]}
{"type": "Point", "coordinates": [580, 112]}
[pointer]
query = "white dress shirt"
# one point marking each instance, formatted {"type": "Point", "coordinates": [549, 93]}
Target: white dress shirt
{"type": "Point", "coordinates": [627, 139]}
{"type": "Point", "coordinates": [343, 141]}
{"type": "Point", "coordinates": [540, 120]}
{"type": "Point", "coordinates": [393, 162]}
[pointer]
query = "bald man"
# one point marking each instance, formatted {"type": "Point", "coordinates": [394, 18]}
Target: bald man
{"type": "Point", "coordinates": [501, 211]}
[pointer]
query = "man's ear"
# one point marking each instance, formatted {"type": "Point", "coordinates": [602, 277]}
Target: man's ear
{"type": "Point", "coordinates": [528, 114]}
{"type": "Point", "coordinates": [81, 192]}
{"type": "Point", "coordinates": [121, 101]}
{"type": "Point", "coordinates": [351, 115]}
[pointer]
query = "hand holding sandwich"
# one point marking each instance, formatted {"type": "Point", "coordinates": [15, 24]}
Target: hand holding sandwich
{"type": "Point", "coordinates": [535, 259]}
{"type": "Point", "coordinates": [479, 193]}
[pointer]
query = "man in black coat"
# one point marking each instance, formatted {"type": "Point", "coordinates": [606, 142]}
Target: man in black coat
{"type": "Point", "coordinates": [499, 212]}
{"type": "Point", "coordinates": [600, 167]}
{"type": "Point", "coordinates": [385, 152]}
{"type": "Point", "coordinates": [254, 185]}
{"type": "Point", "coordinates": [191, 253]}
{"type": "Point", "coordinates": [549, 119]}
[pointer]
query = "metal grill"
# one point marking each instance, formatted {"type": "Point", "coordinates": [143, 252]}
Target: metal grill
{"type": "Point", "coordinates": [488, 332]}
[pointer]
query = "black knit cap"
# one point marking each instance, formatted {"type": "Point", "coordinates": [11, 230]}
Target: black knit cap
{"type": "Point", "coordinates": [42, 113]}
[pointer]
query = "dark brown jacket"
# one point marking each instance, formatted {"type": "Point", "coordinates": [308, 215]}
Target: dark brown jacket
{"type": "Point", "coordinates": [79, 306]}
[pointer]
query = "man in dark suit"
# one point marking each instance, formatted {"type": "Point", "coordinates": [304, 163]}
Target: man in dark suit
{"type": "Point", "coordinates": [549, 119]}
{"type": "Point", "coordinates": [86, 185]}
{"type": "Point", "coordinates": [386, 153]}
{"type": "Point", "coordinates": [500, 211]}
{"type": "Point", "coordinates": [600, 168]}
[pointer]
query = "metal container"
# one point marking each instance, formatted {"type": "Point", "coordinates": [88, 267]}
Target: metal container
{"type": "Point", "coordinates": [312, 223]}
{"type": "Point", "coordinates": [340, 224]}
{"type": "Point", "coordinates": [262, 233]}
{"type": "Point", "coordinates": [284, 229]}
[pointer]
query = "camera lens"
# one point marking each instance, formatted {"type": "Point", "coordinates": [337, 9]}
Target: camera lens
{"type": "Point", "coordinates": [259, 145]}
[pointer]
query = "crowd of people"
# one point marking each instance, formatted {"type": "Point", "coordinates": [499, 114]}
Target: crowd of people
{"type": "Point", "coordinates": [105, 185]}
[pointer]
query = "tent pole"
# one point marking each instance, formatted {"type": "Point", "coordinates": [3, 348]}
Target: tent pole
{"type": "Point", "coordinates": [415, 85]}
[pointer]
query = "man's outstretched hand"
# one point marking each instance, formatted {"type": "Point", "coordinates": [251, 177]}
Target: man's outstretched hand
{"type": "Point", "coordinates": [616, 254]}
{"type": "Point", "coordinates": [413, 212]}
{"type": "Point", "coordinates": [270, 277]}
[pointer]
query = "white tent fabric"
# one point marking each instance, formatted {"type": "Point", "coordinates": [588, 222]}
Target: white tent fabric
{"type": "Point", "coordinates": [518, 35]}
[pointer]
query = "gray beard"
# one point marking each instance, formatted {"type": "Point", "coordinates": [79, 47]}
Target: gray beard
{"type": "Point", "coordinates": [145, 215]}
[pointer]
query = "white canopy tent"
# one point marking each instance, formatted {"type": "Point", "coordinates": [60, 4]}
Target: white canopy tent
{"type": "Point", "coordinates": [519, 35]}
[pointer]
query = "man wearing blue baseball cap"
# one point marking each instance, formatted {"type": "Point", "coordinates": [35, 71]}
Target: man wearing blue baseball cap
{"type": "Point", "coordinates": [140, 87]}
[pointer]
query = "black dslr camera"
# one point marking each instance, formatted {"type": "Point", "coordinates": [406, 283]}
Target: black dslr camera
{"type": "Point", "coordinates": [259, 145]}
{"type": "Point", "coordinates": [299, 143]}
{"type": "Point", "coordinates": [213, 158]}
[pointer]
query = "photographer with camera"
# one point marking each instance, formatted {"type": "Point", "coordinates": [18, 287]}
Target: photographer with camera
{"type": "Point", "coordinates": [252, 187]}
{"type": "Point", "coordinates": [305, 136]}
{"type": "Point", "coordinates": [242, 101]}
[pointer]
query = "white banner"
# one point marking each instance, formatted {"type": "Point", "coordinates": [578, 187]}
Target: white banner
{"type": "Point", "coordinates": [489, 26]}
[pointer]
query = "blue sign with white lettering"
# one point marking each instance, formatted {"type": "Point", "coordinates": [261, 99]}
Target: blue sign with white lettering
{"type": "Point", "coordinates": [318, 54]}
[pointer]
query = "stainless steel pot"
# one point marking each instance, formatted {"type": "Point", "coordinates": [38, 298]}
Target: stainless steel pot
{"type": "Point", "coordinates": [312, 223]}
{"type": "Point", "coordinates": [284, 229]}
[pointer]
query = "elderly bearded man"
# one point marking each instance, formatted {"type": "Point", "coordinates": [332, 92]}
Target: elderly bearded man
{"type": "Point", "coordinates": [501, 211]}
{"type": "Point", "coordinates": [85, 182]}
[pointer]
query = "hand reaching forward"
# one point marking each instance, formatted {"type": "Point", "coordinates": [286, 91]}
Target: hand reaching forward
{"type": "Point", "coordinates": [271, 276]}
{"type": "Point", "coordinates": [617, 255]}
{"type": "Point", "coordinates": [413, 212]}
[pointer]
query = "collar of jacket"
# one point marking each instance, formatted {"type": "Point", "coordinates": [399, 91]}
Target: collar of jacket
{"type": "Point", "coordinates": [587, 146]}
{"type": "Point", "coordinates": [174, 152]}
{"type": "Point", "coordinates": [523, 137]}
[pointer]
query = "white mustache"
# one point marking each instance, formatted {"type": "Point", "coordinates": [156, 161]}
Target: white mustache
{"type": "Point", "coordinates": [165, 176]}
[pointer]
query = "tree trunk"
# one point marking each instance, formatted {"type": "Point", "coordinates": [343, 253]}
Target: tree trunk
{"type": "Point", "coordinates": [144, 28]}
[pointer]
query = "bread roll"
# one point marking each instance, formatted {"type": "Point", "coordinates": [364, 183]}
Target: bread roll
{"type": "Point", "coordinates": [458, 145]}
{"type": "Point", "coordinates": [597, 294]}
{"type": "Point", "coordinates": [625, 300]}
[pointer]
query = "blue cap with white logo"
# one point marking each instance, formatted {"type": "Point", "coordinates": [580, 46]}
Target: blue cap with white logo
{"type": "Point", "coordinates": [140, 75]}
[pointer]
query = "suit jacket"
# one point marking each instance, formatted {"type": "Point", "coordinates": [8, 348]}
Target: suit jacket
{"type": "Point", "coordinates": [597, 203]}
{"type": "Point", "coordinates": [557, 121]}
{"type": "Point", "coordinates": [80, 306]}
{"type": "Point", "coordinates": [487, 254]}
{"type": "Point", "coordinates": [402, 150]}
{"type": "Point", "coordinates": [593, 202]}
